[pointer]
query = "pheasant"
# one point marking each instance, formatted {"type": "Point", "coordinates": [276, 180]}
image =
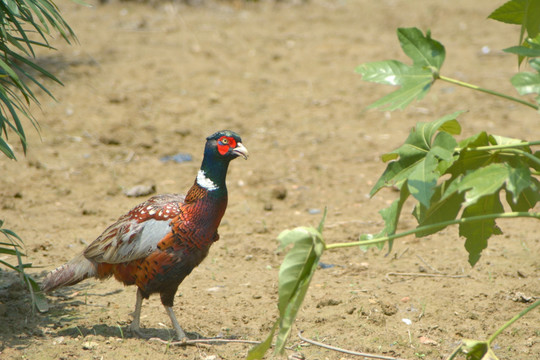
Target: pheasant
{"type": "Point", "coordinates": [159, 242]}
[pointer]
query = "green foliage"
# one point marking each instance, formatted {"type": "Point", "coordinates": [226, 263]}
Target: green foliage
{"type": "Point", "coordinates": [481, 350]}
{"type": "Point", "coordinates": [12, 247]}
{"type": "Point", "coordinates": [528, 82]}
{"type": "Point", "coordinates": [525, 13]}
{"type": "Point", "coordinates": [445, 176]}
{"type": "Point", "coordinates": [531, 48]}
{"type": "Point", "coordinates": [414, 81]}
{"type": "Point", "coordinates": [295, 276]}
{"type": "Point", "coordinates": [24, 25]}
{"type": "Point", "coordinates": [452, 181]}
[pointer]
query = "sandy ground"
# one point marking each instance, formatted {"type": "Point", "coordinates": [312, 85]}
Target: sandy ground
{"type": "Point", "coordinates": [153, 79]}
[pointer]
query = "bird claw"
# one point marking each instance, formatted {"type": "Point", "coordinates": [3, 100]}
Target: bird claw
{"type": "Point", "coordinates": [135, 330]}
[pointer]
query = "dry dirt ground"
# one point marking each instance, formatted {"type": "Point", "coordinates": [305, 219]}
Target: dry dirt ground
{"type": "Point", "coordinates": [148, 80]}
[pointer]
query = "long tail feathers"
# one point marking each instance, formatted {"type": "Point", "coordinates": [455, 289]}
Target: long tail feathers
{"type": "Point", "coordinates": [71, 273]}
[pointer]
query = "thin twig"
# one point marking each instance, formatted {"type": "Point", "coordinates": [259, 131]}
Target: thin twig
{"type": "Point", "coordinates": [428, 265]}
{"type": "Point", "coordinates": [346, 222]}
{"type": "Point", "coordinates": [424, 275]}
{"type": "Point", "coordinates": [402, 253]}
{"type": "Point", "coordinates": [349, 352]}
{"type": "Point", "coordinates": [427, 275]}
{"type": "Point", "coordinates": [204, 341]}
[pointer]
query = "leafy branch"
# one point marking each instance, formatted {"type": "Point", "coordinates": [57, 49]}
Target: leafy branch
{"type": "Point", "coordinates": [482, 349]}
{"type": "Point", "coordinates": [12, 246]}
{"type": "Point", "coordinates": [487, 91]}
{"type": "Point", "coordinates": [25, 25]}
{"type": "Point", "coordinates": [428, 56]}
{"type": "Point", "coordinates": [370, 240]}
{"type": "Point", "coordinates": [453, 182]}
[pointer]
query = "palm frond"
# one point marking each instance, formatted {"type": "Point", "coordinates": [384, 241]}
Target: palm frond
{"type": "Point", "coordinates": [24, 26]}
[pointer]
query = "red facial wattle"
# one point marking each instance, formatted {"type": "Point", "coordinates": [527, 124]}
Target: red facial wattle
{"type": "Point", "coordinates": [225, 143]}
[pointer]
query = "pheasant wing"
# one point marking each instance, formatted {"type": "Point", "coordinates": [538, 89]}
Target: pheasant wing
{"type": "Point", "coordinates": [136, 234]}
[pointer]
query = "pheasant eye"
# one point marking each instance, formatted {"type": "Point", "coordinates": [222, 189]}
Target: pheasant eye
{"type": "Point", "coordinates": [223, 145]}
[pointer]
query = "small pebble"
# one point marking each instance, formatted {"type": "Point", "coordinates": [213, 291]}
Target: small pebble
{"type": "Point", "coordinates": [89, 345]}
{"type": "Point", "coordinates": [105, 140]}
{"type": "Point", "coordinates": [140, 190]}
{"type": "Point", "coordinates": [407, 321]}
{"type": "Point", "coordinates": [279, 192]}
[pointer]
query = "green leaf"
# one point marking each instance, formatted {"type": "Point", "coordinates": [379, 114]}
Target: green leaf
{"type": "Point", "coordinates": [8, 251]}
{"type": "Point", "coordinates": [390, 216]}
{"type": "Point", "coordinates": [519, 178]}
{"type": "Point", "coordinates": [423, 50]}
{"type": "Point", "coordinates": [423, 179]}
{"type": "Point", "coordinates": [526, 83]}
{"type": "Point", "coordinates": [532, 18]}
{"type": "Point", "coordinates": [439, 211]}
{"type": "Point", "coordinates": [535, 164]}
{"type": "Point", "coordinates": [527, 199]}
{"type": "Point", "coordinates": [476, 184]}
{"type": "Point", "coordinates": [503, 140]}
{"type": "Point", "coordinates": [294, 269]}
{"type": "Point", "coordinates": [295, 274]}
{"type": "Point", "coordinates": [479, 139]}
{"type": "Point", "coordinates": [524, 51]}
{"type": "Point", "coordinates": [520, 12]}
{"type": "Point", "coordinates": [477, 233]}
{"type": "Point", "coordinates": [444, 148]}
{"type": "Point", "coordinates": [512, 12]}
{"type": "Point", "coordinates": [413, 152]}
{"type": "Point", "coordinates": [258, 351]}
{"type": "Point", "coordinates": [478, 350]}
{"type": "Point", "coordinates": [6, 149]}
{"type": "Point", "coordinates": [38, 298]}
{"type": "Point", "coordinates": [414, 82]}
{"type": "Point", "coordinates": [12, 5]}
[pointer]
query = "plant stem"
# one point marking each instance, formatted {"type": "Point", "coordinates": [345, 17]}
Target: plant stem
{"type": "Point", "coordinates": [434, 226]}
{"type": "Point", "coordinates": [455, 352]}
{"type": "Point", "coordinates": [505, 146]}
{"type": "Point", "coordinates": [514, 319]}
{"type": "Point", "coordinates": [523, 153]}
{"type": "Point", "coordinates": [492, 92]}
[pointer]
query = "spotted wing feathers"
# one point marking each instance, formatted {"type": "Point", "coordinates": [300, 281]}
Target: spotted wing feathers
{"type": "Point", "coordinates": [136, 234]}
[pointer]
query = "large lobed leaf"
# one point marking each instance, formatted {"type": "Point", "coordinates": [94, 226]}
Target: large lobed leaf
{"type": "Point", "coordinates": [520, 12]}
{"type": "Point", "coordinates": [414, 81]}
{"type": "Point", "coordinates": [411, 156]}
{"type": "Point", "coordinates": [448, 178]}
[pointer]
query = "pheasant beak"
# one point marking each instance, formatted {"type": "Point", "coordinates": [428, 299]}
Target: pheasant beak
{"type": "Point", "coordinates": [240, 150]}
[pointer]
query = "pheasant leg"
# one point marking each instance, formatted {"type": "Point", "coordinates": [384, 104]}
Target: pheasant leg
{"type": "Point", "coordinates": [135, 324]}
{"type": "Point", "coordinates": [179, 332]}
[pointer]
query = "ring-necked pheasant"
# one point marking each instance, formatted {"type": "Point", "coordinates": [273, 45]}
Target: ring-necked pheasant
{"type": "Point", "coordinates": [159, 242]}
